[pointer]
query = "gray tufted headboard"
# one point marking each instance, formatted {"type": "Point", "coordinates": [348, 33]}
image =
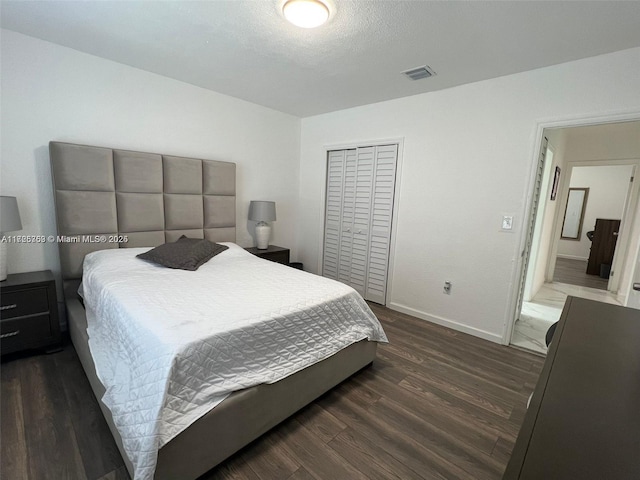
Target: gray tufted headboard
{"type": "Point", "coordinates": [148, 197]}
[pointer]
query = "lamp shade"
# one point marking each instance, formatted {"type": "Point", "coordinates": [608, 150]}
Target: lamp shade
{"type": "Point", "coordinates": [260, 211]}
{"type": "Point", "coordinates": [9, 215]}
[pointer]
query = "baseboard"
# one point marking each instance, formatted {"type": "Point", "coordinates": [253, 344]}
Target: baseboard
{"type": "Point", "coordinates": [573, 257]}
{"type": "Point", "coordinates": [460, 327]}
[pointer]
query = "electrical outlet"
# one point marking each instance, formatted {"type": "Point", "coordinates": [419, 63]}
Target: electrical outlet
{"type": "Point", "coordinates": [507, 222]}
{"type": "Point", "coordinates": [447, 288]}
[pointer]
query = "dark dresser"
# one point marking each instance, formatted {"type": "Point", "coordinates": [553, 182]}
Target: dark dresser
{"type": "Point", "coordinates": [603, 245]}
{"type": "Point", "coordinates": [29, 312]}
{"type": "Point", "coordinates": [273, 253]}
{"type": "Point", "coordinates": [584, 418]}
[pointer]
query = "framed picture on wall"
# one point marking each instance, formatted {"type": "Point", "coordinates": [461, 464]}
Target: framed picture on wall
{"type": "Point", "coordinates": [556, 182]}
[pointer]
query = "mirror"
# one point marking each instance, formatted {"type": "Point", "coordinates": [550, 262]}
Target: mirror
{"type": "Point", "coordinates": [574, 214]}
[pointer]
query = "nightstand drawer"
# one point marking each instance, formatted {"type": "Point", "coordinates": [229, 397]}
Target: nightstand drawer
{"type": "Point", "coordinates": [24, 302]}
{"type": "Point", "coordinates": [279, 257]}
{"type": "Point", "coordinates": [25, 332]}
{"type": "Point", "coordinates": [272, 253]}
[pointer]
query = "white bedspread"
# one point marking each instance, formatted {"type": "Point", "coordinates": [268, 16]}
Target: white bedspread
{"type": "Point", "coordinates": [169, 345]}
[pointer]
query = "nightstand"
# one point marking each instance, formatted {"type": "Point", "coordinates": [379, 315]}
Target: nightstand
{"type": "Point", "coordinates": [273, 253]}
{"type": "Point", "coordinates": [29, 312]}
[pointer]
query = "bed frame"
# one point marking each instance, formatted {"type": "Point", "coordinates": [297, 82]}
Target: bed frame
{"type": "Point", "coordinates": [152, 199]}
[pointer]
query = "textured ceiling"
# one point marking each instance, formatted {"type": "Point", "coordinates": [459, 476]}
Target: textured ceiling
{"type": "Point", "coordinates": [247, 50]}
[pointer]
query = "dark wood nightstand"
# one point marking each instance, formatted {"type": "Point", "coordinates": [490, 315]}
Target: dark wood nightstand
{"type": "Point", "coordinates": [273, 253]}
{"type": "Point", "coordinates": [29, 312]}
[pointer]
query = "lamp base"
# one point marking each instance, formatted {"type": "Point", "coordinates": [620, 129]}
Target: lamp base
{"type": "Point", "coordinates": [3, 261]}
{"type": "Point", "coordinates": [263, 232]}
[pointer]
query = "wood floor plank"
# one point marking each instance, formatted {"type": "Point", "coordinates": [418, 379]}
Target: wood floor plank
{"type": "Point", "coordinates": [433, 411]}
{"type": "Point", "coordinates": [268, 458]}
{"type": "Point", "coordinates": [518, 413]}
{"type": "Point", "coordinates": [234, 469]}
{"type": "Point", "coordinates": [97, 447]}
{"type": "Point", "coordinates": [359, 394]}
{"type": "Point", "coordinates": [301, 474]}
{"type": "Point", "coordinates": [304, 445]}
{"type": "Point", "coordinates": [13, 456]}
{"type": "Point", "coordinates": [396, 442]}
{"type": "Point", "coordinates": [427, 350]}
{"type": "Point", "coordinates": [435, 404]}
{"type": "Point", "coordinates": [452, 339]}
{"type": "Point", "coordinates": [502, 450]}
{"type": "Point", "coordinates": [47, 423]}
{"type": "Point", "coordinates": [574, 272]}
{"type": "Point", "coordinates": [480, 419]}
{"type": "Point", "coordinates": [475, 463]}
{"type": "Point", "coordinates": [462, 351]}
{"type": "Point", "coordinates": [320, 422]}
{"type": "Point", "coordinates": [387, 368]}
{"type": "Point", "coordinates": [370, 459]}
{"type": "Point", "coordinates": [456, 386]}
{"type": "Point", "coordinates": [497, 398]}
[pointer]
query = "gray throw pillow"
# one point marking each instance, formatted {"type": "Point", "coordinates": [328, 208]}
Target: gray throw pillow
{"type": "Point", "coordinates": [185, 253]}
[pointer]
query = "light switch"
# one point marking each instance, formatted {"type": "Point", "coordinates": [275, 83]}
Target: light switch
{"type": "Point", "coordinates": [507, 222]}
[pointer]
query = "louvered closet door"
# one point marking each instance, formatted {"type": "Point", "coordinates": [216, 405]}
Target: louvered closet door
{"type": "Point", "coordinates": [333, 216]}
{"type": "Point", "coordinates": [381, 217]}
{"type": "Point", "coordinates": [348, 216]}
{"type": "Point", "coordinates": [360, 189]}
{"type": "Point", "coordinates": [361, 219]}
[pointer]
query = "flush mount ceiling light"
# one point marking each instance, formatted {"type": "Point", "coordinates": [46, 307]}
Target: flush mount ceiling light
{"type": "Point", "coordinates": [306, 13]}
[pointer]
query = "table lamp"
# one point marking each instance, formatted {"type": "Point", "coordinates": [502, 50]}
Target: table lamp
{"type": "Point", "coordinates": [9, 222]}
{"type": "Point", "coordinates": [262, 212]}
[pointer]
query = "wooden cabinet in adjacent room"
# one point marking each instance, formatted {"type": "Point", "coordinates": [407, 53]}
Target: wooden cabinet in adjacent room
{"type": "Point", "coordinates": [603, 245]}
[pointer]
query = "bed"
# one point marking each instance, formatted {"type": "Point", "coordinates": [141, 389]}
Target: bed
{"type": "Point", "coordinates": [105, 195]}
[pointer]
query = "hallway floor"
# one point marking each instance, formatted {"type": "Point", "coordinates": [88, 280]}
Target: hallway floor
{"type": "Point", "coordinates": [574, 272]}
{"type": "Point", "coordinates": [545, 309]}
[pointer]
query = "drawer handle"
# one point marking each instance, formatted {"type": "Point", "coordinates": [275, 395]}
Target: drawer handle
{"type": "Point", "coordinates": [10, 334]}
{"type": "Point", "coordinates": [9, 307]}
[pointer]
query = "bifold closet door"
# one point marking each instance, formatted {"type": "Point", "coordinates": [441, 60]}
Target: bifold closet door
{"type": "Point", "coordinates": [384, 180]}
{"type": "Point", "coordinates": [333, 213]}
{"type": "Point", "coordinates": [346, 221]}
{"type": "Point", "coordinates": [360, 189]}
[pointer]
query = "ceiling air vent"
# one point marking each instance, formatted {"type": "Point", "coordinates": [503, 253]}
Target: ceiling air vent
{"type": "Point", "coordinates": [419, 73]}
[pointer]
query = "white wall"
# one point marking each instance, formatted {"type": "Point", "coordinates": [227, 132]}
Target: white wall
{"type": "Point", "coordinates": [612, 141]}
{"type": "Point", "coordinates": [608, 187]}
{"type": "Point", "coordinates": [51, 92]}
{"type": "Point", "coordinates": [467, 160]}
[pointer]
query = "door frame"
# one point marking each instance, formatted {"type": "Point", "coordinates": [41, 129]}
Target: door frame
{"type": "Point", "coordinates": [537, 201]}
{"type": "Point", "coordinates": [534, 252]}
{"type": "Point", "coordinates": [527, 199]}
{"type": "Point", "coordinates": [399, 141]}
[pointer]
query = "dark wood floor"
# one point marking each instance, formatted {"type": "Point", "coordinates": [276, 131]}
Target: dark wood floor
{"type": "Point", "coordinates": [574, 272]}
{"type": "Point", "coordinates": [436, 404]}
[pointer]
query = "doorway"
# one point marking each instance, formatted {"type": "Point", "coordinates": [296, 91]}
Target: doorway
{"type": "Point", "coordinates": [589, 169]}
{"type": "Point", "coordinates": [592, 224]}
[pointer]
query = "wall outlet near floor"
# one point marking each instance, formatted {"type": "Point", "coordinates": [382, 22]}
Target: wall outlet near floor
{"type": "Point", "coordinates": [447, 288]}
